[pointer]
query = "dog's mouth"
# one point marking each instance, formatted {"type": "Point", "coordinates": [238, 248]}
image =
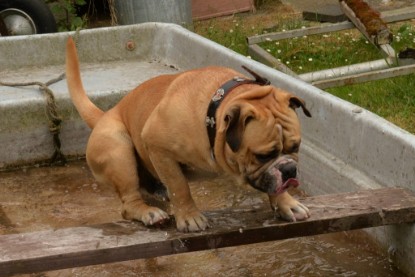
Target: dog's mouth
{"type": "Point", "coordinates": [291, 182]}
{"type": "Point", "coordinates": [279, 177]}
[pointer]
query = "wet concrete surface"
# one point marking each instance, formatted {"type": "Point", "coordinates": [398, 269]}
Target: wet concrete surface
{"type": "Point", "coordinates": [35, 199]}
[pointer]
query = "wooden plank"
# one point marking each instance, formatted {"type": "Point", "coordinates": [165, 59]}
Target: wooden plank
{"type": "Point", "coordinates": [387, 16]}
{"type": "Point", "coordinates": [365, 77]}
{"type": "Point", "coordinates": [204, 9]}
{"type": "Point", "coordinates": [328, 12]}
{"type": "Point", "coordinates": [112, 242]}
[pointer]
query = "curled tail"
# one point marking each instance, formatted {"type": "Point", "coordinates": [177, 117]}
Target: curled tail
{"type": "Point", "coordinates": [89, 112]}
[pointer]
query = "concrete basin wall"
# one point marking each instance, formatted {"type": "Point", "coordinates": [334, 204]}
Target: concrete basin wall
{"type": "Point", "coordinates": [345, 148]}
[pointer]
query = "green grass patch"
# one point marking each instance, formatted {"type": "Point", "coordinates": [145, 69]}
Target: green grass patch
{"type": "Point", "coordinates": [393, 99]}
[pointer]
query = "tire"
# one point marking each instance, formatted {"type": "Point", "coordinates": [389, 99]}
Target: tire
{"type": "Point", "coordinates": [34, 15]}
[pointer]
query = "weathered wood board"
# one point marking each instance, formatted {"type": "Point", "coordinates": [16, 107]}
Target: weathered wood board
{"type": "Point", "coordinates": [120, 241]}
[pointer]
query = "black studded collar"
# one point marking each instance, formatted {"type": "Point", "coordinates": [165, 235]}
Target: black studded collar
{"type": "Point", "coordinates": [220, 94]}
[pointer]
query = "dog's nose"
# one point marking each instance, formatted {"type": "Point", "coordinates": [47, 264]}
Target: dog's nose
{"type": "Point", "coordinates": [288, 170]}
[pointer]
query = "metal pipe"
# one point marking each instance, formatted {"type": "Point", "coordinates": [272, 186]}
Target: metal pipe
{"type": "Point", "coordinates": [346, 70]}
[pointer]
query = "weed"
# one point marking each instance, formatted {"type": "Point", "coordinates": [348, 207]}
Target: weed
{"type": "Point", "coordinates": [65, 12]}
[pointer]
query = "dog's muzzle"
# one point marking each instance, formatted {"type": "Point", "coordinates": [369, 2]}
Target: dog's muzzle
{"type": "Point", "coordinates": [278, 177]}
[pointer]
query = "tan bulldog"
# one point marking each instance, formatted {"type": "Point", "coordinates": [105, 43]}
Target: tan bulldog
{"type": "Point", "coordinates": [252, 134]}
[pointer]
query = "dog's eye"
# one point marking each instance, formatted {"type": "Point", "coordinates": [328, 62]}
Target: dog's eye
{"type": "Point", "coordinates": [295, 148]}
{"type": "Point", "coordinates": [264, 158]}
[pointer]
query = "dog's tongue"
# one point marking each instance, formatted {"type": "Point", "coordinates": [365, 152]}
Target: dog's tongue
{"type": "Point", "coordinates": [292, 182]}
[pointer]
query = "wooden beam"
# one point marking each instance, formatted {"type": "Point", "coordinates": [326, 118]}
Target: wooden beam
{"type": "Point", "coordinates": [113, 242]}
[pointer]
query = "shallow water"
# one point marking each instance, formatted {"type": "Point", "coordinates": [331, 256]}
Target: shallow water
{"type": "Point", "coordinates": [57, 197]}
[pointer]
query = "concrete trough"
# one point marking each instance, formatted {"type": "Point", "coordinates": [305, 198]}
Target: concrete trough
{"type": "Point", "coordinates": [345, 148]}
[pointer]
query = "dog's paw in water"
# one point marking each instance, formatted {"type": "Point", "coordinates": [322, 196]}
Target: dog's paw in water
{"type": "Point", "coordinates": [194, 221]}
{"type": "Point", "coordinates": [289, 208]}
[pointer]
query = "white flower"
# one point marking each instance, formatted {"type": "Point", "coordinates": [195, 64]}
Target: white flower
{"type": "Point", "coordinates": [310, 59]}
{"type": "Point", "coordinates": [279, 51]}
{"type": "Point", "coordinates": [267, 39]}
{"type": "Point", "coordinates": [231, 31]}
{"type": "Point", "coordinates": [268, 50]}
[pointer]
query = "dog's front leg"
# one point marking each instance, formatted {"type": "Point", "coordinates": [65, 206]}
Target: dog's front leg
{"type": "Point", "coordinates": [288, 208]}
{"type": "Point", "coordinates": [187, 215]}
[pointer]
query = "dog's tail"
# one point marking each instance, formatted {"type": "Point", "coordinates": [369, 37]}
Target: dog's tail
{"type": "Point", "coordinates": [89, 112]}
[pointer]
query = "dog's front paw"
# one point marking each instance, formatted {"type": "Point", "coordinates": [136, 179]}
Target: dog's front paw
{"type": "Point", "coordinates": [148, 215]}
{"type": "Point", "coordinates": [289, 208]}
{"type": "Point", "coordinates": [193, 221]}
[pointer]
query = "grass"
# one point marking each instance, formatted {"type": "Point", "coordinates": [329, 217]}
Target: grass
{"type": "Point", "coordinates": [393, 99]}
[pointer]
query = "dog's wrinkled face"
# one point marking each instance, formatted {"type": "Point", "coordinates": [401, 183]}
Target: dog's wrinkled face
{"type": "Point", "coordinates": [263, 138]}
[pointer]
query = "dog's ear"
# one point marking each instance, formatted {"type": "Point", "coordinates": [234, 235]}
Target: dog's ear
{"type": "Point", "coordinates": [236, 120]}
{"type": "Point", "coordinates": [296, 102]}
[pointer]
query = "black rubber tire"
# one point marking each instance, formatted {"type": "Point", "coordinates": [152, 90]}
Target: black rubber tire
{"type": "Point", "coordinates": [37, 10]}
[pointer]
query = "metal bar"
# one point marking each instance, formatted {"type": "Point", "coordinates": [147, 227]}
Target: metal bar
{"type": "Point", "coordinates": [340, 72]}
{"type": "Point", "coordinates": [380, 37]}
{"type": "Point", "coordinates": [387, 16]}
{"type": "Point", "coordinates": [325, 28]}
{"type": "Point", "coordinates": [388, 51]}
{"type": "Point", "coordinates": [259, 54]}
{"type": "Point", "coordinates": [366, 77]}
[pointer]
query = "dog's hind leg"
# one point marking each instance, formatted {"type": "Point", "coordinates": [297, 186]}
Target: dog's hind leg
{"type": "Point", "coordinates": [111, 157]}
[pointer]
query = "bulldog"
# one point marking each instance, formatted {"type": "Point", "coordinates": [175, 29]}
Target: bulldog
{"type": "Point", "coordinates": [212, 119]}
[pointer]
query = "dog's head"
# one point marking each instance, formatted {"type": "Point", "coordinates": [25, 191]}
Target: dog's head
{"type": "Point", "coordinates": [261, 137]}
